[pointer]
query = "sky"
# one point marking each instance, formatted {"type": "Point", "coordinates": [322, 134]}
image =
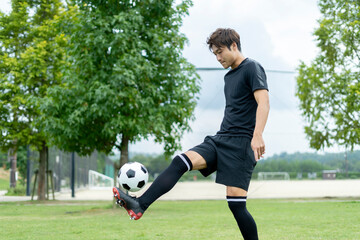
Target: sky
{"type": "Point", "coordinates": [278, 34]}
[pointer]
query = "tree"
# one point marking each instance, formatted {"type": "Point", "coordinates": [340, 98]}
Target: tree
{"type": "Point", "coordinates": [329, 87]}
{"type": "Point", "coordinates": [127, 78]}
{"type": "Point", "coordinates": [13, 42]}
{"type": "Point", "coordinates": [30, 57]}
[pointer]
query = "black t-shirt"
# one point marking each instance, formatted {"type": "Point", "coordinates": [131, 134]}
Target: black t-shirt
{"type": "Point", "coordinates": [240, 110]}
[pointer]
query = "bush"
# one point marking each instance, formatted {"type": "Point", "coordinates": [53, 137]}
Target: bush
{"type": "Point", "coordinates": [20, 190]}
{"type": "Point", "coordinates": [351, 175]}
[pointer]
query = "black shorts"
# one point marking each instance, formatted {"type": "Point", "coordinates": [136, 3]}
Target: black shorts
{"type": "Point", "coordinates": [232, 158]}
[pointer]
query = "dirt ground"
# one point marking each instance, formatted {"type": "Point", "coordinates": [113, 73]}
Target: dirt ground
{"type": "Point", "coordinates": [206, 190]}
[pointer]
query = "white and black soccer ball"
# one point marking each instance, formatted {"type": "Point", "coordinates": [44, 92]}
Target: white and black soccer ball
{"type": "Point", "coordinates": [133, 176]}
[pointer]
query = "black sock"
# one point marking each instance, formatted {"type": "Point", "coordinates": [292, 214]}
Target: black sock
{"type": "Point", "coordinates": [166, 180]}
{"type": "Point", "coordinates": [243, 218]}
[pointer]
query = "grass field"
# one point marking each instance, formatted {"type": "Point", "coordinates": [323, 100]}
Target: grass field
{"type": "Point", "coordinates": [4, 184]}
{"type": "Point", "coordinates": [172, 220]}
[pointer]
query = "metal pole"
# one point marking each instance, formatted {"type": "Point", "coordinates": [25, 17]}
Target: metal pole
{"type": "Point", "coordinates": [47, 174]}
{"type": "Point", "coordinates": [346, 164]}
{"type": "Point", "coordinates": [73, 174]}
{"type": "Point", "coordinates": [28, 170]}
{"type": "Point", "coordinates": [60, 170]}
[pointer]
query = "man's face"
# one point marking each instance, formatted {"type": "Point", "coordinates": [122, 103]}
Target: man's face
{"type": "Point", "coordinates": [224, 55]}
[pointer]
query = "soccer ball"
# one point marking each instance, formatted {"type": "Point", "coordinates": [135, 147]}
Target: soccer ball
{"type": "Point", "coordinates": [133, 176]}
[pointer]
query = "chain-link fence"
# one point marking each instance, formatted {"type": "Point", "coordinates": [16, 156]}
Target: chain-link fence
{"type": "Point", "coordinates": [60, 168]}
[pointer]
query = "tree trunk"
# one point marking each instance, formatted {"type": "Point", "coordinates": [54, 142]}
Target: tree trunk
{"type": "Point", "coordinates": [42, 172]}
{"type": "Point", "coordinates": [124, 156]}
{"type": "Point", "coordinates": [12, 154]}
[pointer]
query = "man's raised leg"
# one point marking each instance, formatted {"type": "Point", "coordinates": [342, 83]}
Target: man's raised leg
{"type": "Point", "coordinates": [163, 183]}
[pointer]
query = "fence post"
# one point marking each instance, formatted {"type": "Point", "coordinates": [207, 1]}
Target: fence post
{"type": "Point", "coordinates": [73, 174]}
{"type": "Point", "coordinates": [28, 180]}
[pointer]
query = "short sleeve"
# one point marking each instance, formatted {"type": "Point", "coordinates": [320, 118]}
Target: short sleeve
{"type": "Point", "coordinates": [257, 77]}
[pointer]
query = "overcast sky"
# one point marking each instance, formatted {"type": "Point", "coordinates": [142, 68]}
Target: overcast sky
{"type": "Point", "coordinates": [276, 33]}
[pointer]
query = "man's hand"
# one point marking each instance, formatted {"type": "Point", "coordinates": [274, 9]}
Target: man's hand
{"type": "Point", "coordinates": [258, 146]}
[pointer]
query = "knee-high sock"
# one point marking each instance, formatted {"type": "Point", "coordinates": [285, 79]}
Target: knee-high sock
{"type": "Point", "coordinates": [243, 218]}
{"type": "Point", "coordinates": [166, 180]}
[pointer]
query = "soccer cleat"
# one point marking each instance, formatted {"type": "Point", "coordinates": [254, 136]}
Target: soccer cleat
{"type": "Point", "coordinates": [131, 204]}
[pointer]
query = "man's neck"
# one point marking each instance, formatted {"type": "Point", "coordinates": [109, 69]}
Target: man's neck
{"type": "Point", "coordinates": [239, 59]}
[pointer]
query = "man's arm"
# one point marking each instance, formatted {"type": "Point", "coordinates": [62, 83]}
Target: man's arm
{"type": "Point", "coordinates": [262, 112]}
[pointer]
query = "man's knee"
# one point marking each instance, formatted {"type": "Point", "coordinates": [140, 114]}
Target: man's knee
{"type": "Point", "coordinates": [196, 159]}
{"type": "Point", "coordinates": [235, 191]}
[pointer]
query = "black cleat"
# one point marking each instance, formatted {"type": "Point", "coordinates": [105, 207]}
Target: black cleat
{"type": "Point", "coordinates": [131, 204]}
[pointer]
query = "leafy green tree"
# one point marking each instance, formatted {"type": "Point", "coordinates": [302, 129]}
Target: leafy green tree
{"type": "Point", "coordinates": [31, 55]}
{"type": "Point", "coordinates": [329, 87]}
{"type": "Point", "coordinates": [13, 41]}
{"type": "Point", "coordinates": [310, 166]}
{"type": "Point", "coordinates": [127, 78]}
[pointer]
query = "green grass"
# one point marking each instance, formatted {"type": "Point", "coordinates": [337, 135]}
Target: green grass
{"type": "Point", "coordinates": [20, 190]}
{"type": "Point", "coordinates": [4, 184]}
{"type": "Point", "coordinates": [180, 220]}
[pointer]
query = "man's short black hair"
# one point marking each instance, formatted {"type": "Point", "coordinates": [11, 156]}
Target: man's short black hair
{"type": "Point", "coordinates": [224, 37]}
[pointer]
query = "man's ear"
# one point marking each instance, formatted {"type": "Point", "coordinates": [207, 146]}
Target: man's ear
{"type": "Point", "coordinates": [233, 46]}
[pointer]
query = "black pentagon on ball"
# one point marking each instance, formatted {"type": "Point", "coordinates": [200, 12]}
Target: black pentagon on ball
{"type": "Point", "coordinates": [141, 184]}
{"type": "Point", "coordinates": [143, 169]}
{"type": "Point", "coordinates": [119, 173]}
{"type": "Point", "coordinates": [130, 173]}
{"type": "Point", "coordinates": [125, 186]}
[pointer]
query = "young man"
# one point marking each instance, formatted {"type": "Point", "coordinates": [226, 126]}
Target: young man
{"type": "Point", "coordinates": [235, 149]}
